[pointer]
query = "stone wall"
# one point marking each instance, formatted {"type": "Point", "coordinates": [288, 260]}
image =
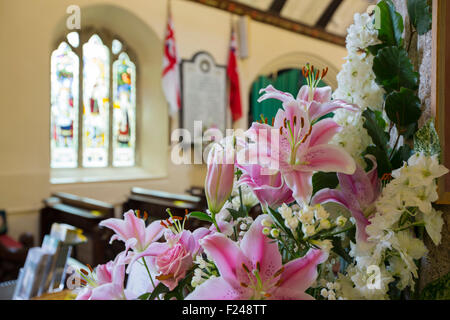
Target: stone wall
{"type": "Point", "coordinates": [437, 262]}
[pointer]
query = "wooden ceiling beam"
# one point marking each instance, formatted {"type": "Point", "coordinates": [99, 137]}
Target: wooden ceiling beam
{"type": "Point", "coordinates": [277, 6]}
{"type": "Point", "coordinates": [274, 20]}
{"type": "Point", "coordinates": [327, 15]}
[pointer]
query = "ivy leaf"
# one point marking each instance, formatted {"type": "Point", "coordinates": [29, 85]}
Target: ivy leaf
{"type": "Point", "coordinates": [394, 70]}
{"type": "Point", "coordinates": [374, 124]}
{"type": "Point", "coordinates": [420, 15]}
{"type": "Point", "coordinates": [383, 163]}
{"type": "Point", "coordinates": [402, 154]}
{"type": "Point", "coordinates": [200, 216]}
{"type": "Point", "coordinates": [322, 180]}
{"type": "Point", "coordinates": [426, 140]}
{"type": "Point", "coordinates": [403, 107]}
{"type": "Point", "coordinates": [391, 24]}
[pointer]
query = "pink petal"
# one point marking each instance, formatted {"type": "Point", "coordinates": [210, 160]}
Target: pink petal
{"type": "Point", "coordinates": [320, 94]}
{"type": "Point", "coordinates": [373, 176]}
{"type": "Point", "coordinates": [317, 110]}
{"type": "Point", "coordinates": [348, 201]}
{"type": "Point", "coordinates": [136, 226]}
{"type": "Point", "coordinates": [153, 250]}
{"type": "Point", "coordinates": [293, 113]}
{"type": "Point", "coordinates": [260, 249]}
{"type": "Point", "coordinates": [85, 294]}
{"type": "Point", "coordinates": [153, 232]}
{"type": "Point", "coordinates": [323, 131]}
{"type": "Point", "coordinates": [300, 274]}
{"type": "Point", "coordinates": [118, 226]}
{"type": "Point", "coordinates": [327, 158]}
{"type": "Point", "coordinates": [289, 294]}
{"type": "Point", "coordinates": [300, 183]}
{"type": "Point", "coordinates": [218, 289]}
{"type": "Point", "coordinates": [361, 223]}
{"type": "Point", "coordinates": [266, 147]}
{"type": "Point", "coordinates": [107, 292]}
{"type": "Point", "coordinates": [329, 195]}
{"type": "Point", "coordinates": [358, 186]}
{"type": "Point", "coordinates": [228, 258]}
{"type": "Point", "coordinates": [271, 93]}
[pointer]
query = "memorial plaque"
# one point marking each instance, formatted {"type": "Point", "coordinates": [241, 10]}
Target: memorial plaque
{"type": "Point", "coordinates": [203, 94]}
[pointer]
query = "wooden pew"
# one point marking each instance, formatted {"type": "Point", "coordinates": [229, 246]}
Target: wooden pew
{"type": "Point", "coordinates": [155, 203]}
{"type": "Point", "coordinates": [86, 214]}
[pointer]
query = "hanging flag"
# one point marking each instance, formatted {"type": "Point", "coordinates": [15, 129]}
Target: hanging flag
{"type": "Point", "coordinates": [170, 74]}
{"type": "Point", "coordinates": [232, 72]}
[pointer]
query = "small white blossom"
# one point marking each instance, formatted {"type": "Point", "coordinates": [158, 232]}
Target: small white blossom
{"type": "Point", "coordinates": [275, 233]}
{"type": "Point", "coordinates": [341, 221]}
{"type": "Point", "coordinates": [325, 224]}
{"type": "Point", "coordinates": [308, 230]}
{"type": "Point", "coordinates": [320, 213]}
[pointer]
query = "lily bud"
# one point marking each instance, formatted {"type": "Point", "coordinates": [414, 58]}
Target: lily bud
{"type": "Point", "coordinates": [219, 178]}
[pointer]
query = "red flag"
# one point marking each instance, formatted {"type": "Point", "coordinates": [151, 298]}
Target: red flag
{"type": "Point", "coordinates": [170, 74]}
{"type": "Point", "coordinates": [232, 72]}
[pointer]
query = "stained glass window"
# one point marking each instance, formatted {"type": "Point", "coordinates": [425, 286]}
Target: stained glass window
{"type": "Point", "coordinates": [64, 107]}
{"type": "Point", "coordinates": [95, 103]}
{"type": "Point", "coordinates": [86, 129]}
{"type": "Point", "coordinates": [124, 114]}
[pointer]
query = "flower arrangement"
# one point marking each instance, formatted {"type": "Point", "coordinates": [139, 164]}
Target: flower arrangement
{"type": "Point", "coordinates": [345, 180]}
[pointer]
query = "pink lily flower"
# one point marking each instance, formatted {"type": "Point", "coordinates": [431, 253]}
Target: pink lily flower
{"type": "Point", "coordinates": [358, 193]}
{"type": "Point", "coordinates": [219, 178]}
{"type": "Point", "coordinates": [318, 104]}
{"type": "Point", "coordinates": [301, 149]}
{"type": "Point", "coordinates": [269, 189]}
{"type": "Point", "coordinates": [254, 270]}
{"type": "Point", "coordinates": [106, 282]}
{"type": "Point", "coordinates": [315, 101]}
{"type": "Point", "coordinates": [133, 232]}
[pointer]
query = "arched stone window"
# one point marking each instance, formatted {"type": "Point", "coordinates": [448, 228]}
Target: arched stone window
{"type": "Point", "coordinates": [93, 101]}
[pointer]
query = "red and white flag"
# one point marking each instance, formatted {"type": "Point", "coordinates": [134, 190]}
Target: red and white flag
{"type": "Point", "coordinates": [170, 74]}
{"type": "Point", "coordinates": [233, 75]}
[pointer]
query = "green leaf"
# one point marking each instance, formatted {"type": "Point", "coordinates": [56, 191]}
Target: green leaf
{"type": "Point", "coordinates": [160, 288]}
{"type": "Point", "coordinates": [420, 15]}
{"type": "Point", "coordinates": [403, 107]}
{"type": "Point", "coordinates": [322, 180]}
{"type": "Point", "coordinates": [145, 296]}
{"type": "Point", "coordinates": [236, 214]}
{"type": "Point", "coordinates": [200, 216]}
{"type": "Point", "coordinates": [426, 140]}
{"type": "Point", "coordinates": [394, 70]}
{"type": "Point", "coordinates": [391, 24]}
{"type": "Point", "coordinates": [402, 154]}
{"type": "Point", "coordinates": [375, 125]}
{"type": "Point", "coordinates": [437, 290]}
{"type": "Point", "coordinates": [383, 163]}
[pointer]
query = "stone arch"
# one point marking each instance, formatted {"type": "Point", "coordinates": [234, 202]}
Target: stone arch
{"type": "Point", "coordinates": [296, 60]}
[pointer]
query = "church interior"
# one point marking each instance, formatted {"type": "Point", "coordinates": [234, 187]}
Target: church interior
{"type": "Point", "coordinates": [88, 130]}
